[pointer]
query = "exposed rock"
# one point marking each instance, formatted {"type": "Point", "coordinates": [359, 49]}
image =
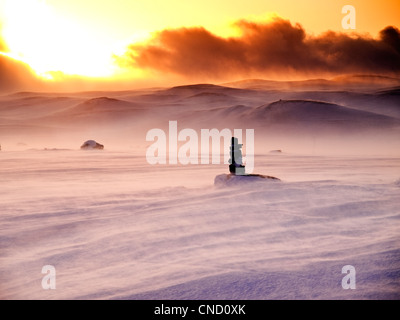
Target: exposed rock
{"type": "Point", "coordinates": [91, 144]}
{"type": "Point", "coordinates": [235, 180]}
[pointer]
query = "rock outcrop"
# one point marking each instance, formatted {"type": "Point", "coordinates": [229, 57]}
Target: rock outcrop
{"type": "Point", "coordinates": [91, 144]}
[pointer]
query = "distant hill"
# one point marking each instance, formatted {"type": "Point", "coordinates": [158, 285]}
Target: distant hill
{"type": "Point", "coordinates": [352, 82]}
{"type": "Point", "coordinates": [306, 113]}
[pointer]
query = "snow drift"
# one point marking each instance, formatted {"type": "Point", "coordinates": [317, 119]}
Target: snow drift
{"type": "Point", "coordinates": [115, 227]}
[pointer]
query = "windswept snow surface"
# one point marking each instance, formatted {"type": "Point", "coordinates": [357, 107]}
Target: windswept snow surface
{"type": "Point", "coordinates": [116, 227]}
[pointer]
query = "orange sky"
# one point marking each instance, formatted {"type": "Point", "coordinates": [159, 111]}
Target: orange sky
{"type": "Point", "coordinates": [76, 37]}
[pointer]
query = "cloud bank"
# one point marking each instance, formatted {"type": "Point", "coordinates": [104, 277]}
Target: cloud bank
{"type": "Point", "coordinates": [16, 75]}
{"type": "Point", "coordinates": [265, 48]}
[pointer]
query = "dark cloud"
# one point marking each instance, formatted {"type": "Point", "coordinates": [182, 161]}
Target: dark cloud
{"type": "Point", "coordinates": [16, 75]}
{"type": "Point", "coordinates": [262, 48]}
{"type": "Point", "coordinates": [391, 36]}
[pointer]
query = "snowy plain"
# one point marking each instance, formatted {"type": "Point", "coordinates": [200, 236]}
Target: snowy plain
{"type": "Point", "coordinates": [116, 227]}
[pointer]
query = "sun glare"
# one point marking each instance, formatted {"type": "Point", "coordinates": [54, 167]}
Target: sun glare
{"type": "Point", "coordinates": [39, 36]}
